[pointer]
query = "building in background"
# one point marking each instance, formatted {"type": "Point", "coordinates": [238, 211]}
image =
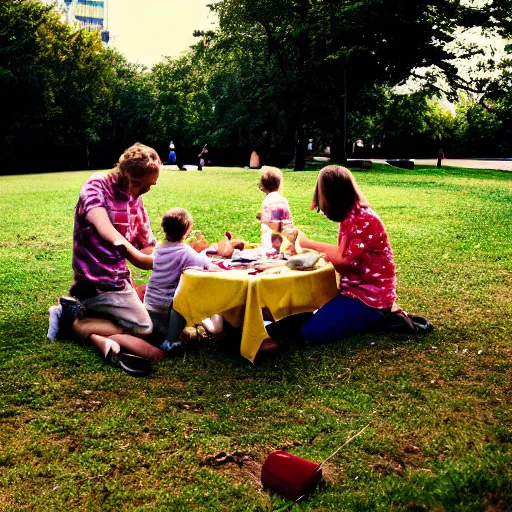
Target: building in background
{"type": "Point", "coordinates": [89, 14]}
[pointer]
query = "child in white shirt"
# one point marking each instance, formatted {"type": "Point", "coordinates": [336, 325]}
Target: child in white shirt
{"type": "Point", "coordinates": [275, 212]}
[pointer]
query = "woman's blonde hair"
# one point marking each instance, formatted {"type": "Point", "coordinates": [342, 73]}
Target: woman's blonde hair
{"type": "Point", "coordinates": [339, 192]}
{"type": "Point", "coordinates": [137, 161]}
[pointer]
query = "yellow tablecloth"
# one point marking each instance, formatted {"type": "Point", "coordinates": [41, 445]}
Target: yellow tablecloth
{"type": "Point", "coordinates": [239, 298]}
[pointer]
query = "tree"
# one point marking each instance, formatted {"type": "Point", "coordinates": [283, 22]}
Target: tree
{"type": "Point", "coordinates": [243, 85]}
{"type": "Point", "coordinates": [343, 48]}
{"type": "Point", "coordinates": [405, 124]}
{"type": "Point", "coordinates": [54, 83]}
{"type": "Point", "coordinates": [476, 133]}
{"type": "Point", "coordinates": [183, 110]}
{"type": "Point", "coordinates": [283, 31]}
{"type": "Point", "coordinates": [133, 99]}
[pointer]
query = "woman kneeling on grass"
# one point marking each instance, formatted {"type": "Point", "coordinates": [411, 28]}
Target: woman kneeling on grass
{"type": "Point", "coordinates": [363, 258]}
{"type": "Point", "coordinates": [109, 215]}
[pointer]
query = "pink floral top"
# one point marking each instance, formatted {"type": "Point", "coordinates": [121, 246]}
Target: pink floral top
{"type": "Point", "coordinates": [94, 259]}
{"type": "Point", "coordinates": [274, 208]}
{"type": "Point", "coordinates": [368, 273]}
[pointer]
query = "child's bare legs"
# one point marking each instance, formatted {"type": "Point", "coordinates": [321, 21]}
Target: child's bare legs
{"type": "Point", "coordinates": [99, 330]}
{"type": "Point", "coordinates": [214, 325]}
{"type": "Point", "coordinates": [138, 346]}
{"type": "Point", "coordinates": [268, 344]}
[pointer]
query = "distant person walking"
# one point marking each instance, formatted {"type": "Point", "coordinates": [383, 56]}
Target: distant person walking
{"type": "Point", "coordinates": [440, 157]}
{"type": "Point", "coordinates": [203, 157]}
{"type": "Point", "coordinates": [172, 154]}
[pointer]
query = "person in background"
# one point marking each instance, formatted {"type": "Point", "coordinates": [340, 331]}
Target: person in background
{"type": "Point", "coordinates": [203, 157]}
{"type": "Point", "coordinates": [254, 162]}
{"type": "Point", "coordinates": [440, 158]}
{"type": "Point", "coordinates": [171, 160]}
{"type": "Point", "coordinates": [103, 306]}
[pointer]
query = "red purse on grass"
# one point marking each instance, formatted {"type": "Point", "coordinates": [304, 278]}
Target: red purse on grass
{"type": "Point", "coordinates": [294, 477]}
{"type": "Point", "coordinates": [289, 475]}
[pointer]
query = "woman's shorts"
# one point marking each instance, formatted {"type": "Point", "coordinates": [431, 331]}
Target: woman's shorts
{"type": "Point", "coordinates": [124, 307]}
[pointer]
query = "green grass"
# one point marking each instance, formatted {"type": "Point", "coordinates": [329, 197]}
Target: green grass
{"type": "Point", "coordinates": [75, 434]}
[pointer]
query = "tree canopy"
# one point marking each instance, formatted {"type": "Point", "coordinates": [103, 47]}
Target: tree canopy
{"type": "Point", "coordinates": [272, 75]}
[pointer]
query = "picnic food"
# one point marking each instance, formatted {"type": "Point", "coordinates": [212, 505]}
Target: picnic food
{"type": "Point", "coordinates": [228, 244]}
{"type": "Point", "coordinates": [197, 241]}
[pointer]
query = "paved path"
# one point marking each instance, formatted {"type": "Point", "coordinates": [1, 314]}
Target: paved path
{"type": "Point", "coordinates": [501, 165]}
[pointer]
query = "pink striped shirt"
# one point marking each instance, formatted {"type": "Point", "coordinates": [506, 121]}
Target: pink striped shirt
{"type": "Point", "coordinates": [94, 259]}
{"type": "Point", "coordinates": [369, 271]}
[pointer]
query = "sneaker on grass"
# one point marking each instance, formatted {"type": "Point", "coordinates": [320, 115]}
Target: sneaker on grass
{"type": "Point", "coordinates": [172, 348]}
{"type": "Point", "coordinates": [54, 313]}
{"type": "Point", "coordinates": [62, 316]}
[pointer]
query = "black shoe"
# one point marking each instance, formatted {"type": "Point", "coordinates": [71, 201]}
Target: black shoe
{"type": "Point", "coordinates": [422, 324]}
{"type": "Point", "coordinates": [401, 322]}
{"type": "Point", "coordinates": [133, 365]}
{"type": "Point", "coordinates": [172, 349]}
{"type": "Point", "coordinates": [71, 310]}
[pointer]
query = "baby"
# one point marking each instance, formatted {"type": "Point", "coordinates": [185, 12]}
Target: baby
{"type": "Point", "coordinates": [277, 241]}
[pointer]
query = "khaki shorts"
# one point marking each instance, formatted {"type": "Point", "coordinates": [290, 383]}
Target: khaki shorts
{"type": "Point", "coordinates": [124, 307]}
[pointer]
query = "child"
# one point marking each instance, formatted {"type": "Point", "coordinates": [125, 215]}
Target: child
{"type": "Point", "coordinates": [362, 257]}
{"type": "Point", "coordinates": [170, 259]}
{"type": "Point", "coordinates": [275, 212]}
{"type": "Point", "coordinates": [277, 241]}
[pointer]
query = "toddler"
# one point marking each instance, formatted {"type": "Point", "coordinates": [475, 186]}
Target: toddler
{"type": "Point", "coordinates": [170, 259]}
{"type": "Point", "coordinates": [275, 212]}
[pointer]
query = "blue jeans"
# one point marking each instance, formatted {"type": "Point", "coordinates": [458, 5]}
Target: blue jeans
{"type": "Point", "coordinates": [340, 317]}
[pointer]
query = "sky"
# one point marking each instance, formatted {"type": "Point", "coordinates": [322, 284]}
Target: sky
{"type": "Point", "coordinates": [145, 31]}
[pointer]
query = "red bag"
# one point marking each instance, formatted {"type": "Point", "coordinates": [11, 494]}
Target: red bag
{"type": "Point", "coordinates": [291, 476]}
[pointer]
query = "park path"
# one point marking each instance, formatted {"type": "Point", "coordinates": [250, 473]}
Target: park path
{"type": "Point", "coordinates": [500, 165]}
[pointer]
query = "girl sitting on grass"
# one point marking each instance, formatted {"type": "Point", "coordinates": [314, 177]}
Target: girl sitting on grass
{"type": "Point", "coordinates": [362, 257]}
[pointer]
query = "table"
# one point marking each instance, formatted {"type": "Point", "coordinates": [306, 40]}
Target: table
{"type": "Point", "coordinates": [240, 297]}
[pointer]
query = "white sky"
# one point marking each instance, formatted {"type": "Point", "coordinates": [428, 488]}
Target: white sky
{"type": "Point", "coordinates": [145, 31]}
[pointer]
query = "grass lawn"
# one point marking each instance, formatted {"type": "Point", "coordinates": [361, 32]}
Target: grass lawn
{"type": "Point", "coordinates": [76, 434]}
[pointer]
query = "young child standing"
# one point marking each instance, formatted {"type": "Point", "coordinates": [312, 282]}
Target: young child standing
{"type": "Point", "coordinates": [170, 259]}
{"type": "Point", "coordinates": [275, 211]}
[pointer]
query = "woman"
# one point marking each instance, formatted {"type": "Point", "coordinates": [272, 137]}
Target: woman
{"type": "Point", "coordinates": [363, 259]}
{"type": "Point", "coordinates": [109, 217]}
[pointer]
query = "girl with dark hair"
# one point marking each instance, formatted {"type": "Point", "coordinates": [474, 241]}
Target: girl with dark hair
{"type": "Point", "coordinates": [362, 258]}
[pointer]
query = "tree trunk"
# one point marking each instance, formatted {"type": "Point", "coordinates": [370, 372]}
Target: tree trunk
{"type": "Point", "coordinates": [300, 142]}
{"type": "Point", "coordinates": [338, 152]}
{"type": "Point", "coordinates": [339, 143]}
